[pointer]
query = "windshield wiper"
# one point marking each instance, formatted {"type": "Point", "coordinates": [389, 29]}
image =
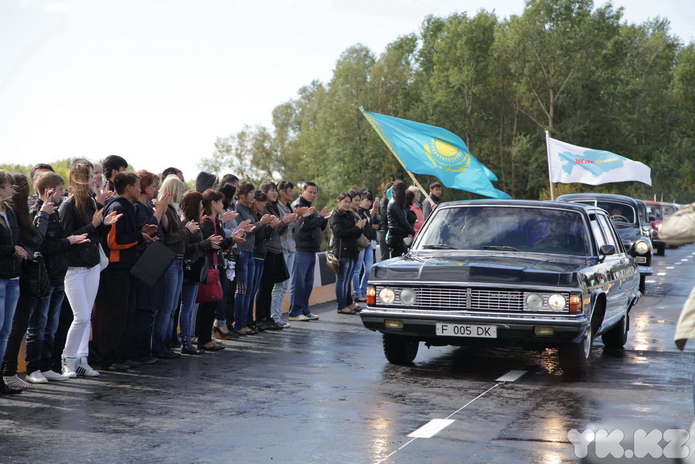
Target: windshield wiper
{"type": "Point", "coordinates": [439, 246]}
{"type": "Point", "coordinates": [499, 247]}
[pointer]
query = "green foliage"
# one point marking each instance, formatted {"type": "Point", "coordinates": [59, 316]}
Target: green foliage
{"type": "Point", "coordinates": [581, 72]}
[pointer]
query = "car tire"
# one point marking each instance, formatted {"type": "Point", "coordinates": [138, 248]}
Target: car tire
{"type": "Point", "coordinates": [575, 358]}
{"type": "Point", "coordinates": [616, 337]}
{"type": "Point", "coordinates": [642, 284]}
{"type": "Point", "coordinates": [661, 250]}
{"type": "Point", "coordinates": [400, 349]}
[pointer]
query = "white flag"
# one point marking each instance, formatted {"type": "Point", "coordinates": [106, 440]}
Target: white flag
{"type": "Point", "coordinates": [572, 164]}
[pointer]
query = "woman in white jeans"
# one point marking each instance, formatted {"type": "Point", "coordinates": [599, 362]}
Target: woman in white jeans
{"type": "Point", "coordinates": [80, 214]}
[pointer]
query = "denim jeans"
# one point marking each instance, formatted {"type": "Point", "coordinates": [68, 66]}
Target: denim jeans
{"type": "Point", "coordinates": [259, 264]}
{"type": "Point", "coordinates": [303, 283]}
{"type": "Point", "coordinates": [9, 295]}
{"type": "Point", "coordinates": [342, 281]}
{"type": "Point", "coordinates": [364, 261]}
{"type": "Point", "coordinates": [189, 292]}
{"type": "Point", "coordinates": [163, 324]}
{"type": "Point", "coordinates": [281, 288]}
{"type": "Point", "coordinates": [42, 329]}
{"type": "Point", "coordinates": [245, 268]}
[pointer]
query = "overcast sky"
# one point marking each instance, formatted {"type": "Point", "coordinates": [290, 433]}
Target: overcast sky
{"type": "Point", "coordinates": [156, 81]}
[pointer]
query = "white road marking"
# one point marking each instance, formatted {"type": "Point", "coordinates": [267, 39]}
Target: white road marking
{"type": "Point", "coordinates": [661, 273]}
{"type": "Point", "coordinates": [511, 376]}
{"type": "Point", "coordinates": [684, 259]}
{"type": "Point", "coordinates": [439, 424]}
{"type": "Point", "coordinates": [670, 267]}
{"type": "Point", "coordinates": [431, 428]}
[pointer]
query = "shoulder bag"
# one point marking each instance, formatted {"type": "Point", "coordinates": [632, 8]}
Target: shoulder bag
{"type": "Point", "coordinates": [211, 290]}
{"type": "Point", "coordinates": [153, 263]}
{"type": "Point", "coordinates": [34, 280]}
{"type": "Point", "coordinates": [331, 259]}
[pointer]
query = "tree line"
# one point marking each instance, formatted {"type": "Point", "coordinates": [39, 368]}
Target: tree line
{"type": "Point", "coordinates": [582, 73]}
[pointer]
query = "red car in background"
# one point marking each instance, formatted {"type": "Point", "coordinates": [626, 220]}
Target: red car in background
{"type": "Point", "coordinates": [655, 213]}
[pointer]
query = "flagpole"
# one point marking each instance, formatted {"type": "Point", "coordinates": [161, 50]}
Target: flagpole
{"type": "Point", "coordinates": [550, 174]}
{"type": "Point", "coordinates": [425, 193]}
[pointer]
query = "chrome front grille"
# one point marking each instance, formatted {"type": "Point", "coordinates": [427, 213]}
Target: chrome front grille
{"type": "Point", "coordinates": [466, 298]}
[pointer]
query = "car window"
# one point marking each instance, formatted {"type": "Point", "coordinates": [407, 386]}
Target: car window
{"type": "Point", "coordinates": [609, 232]}
{"type": "Point", "coordinates": [598, 231]}
{"type": "Point", "coordinates": [619, 212]}
{"type": "Point", "coordinates": [529, 229]}
{"type": "Point", "coordinates": [654, 210]}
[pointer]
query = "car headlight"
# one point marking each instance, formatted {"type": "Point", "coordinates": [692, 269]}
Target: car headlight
{"type": "Point", "coordinates": [641, 247]}
{"type": "Point", "coordinates": [556, 302]}
{"type": "Point", "coordinates": [386, 295]}
{"type": "Point", "coordinates": [407, 296]}
{"type": "Point", "coordinates": [534, 301]}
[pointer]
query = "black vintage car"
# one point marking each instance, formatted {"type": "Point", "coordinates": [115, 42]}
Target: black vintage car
{"type": "Point", "coordinates": [630, 218]}
{"type": "Point", "coordinates": [529, 273]}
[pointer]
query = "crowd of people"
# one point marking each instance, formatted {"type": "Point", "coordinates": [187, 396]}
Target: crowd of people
{"type": "Point", "coordinates": [224, 256]}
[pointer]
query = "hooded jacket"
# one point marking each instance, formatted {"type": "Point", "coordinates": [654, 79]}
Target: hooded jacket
{"type": "Point", "coordinates": [123, 237]}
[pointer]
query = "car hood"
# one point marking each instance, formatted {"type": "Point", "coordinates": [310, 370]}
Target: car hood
{"type": "Point", "coordinates": [503, 268]}
{"type": "Point", "coordinates": [630, 234]}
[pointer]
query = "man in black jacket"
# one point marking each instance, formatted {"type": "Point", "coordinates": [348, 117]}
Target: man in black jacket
{"type": "Point", "coordinates": [435, 194]}
{"type": "Point", "coordinates": [308, 241]}
{"type": "Point", "coordinates": [115, 315]}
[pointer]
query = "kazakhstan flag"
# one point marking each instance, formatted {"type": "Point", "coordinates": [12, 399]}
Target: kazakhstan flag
{"type": "Point", "coordinates": [434, 151]}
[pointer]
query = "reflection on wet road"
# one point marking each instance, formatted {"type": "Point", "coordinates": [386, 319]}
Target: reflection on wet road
{"type": "Point", "coordinates": [322, 392]}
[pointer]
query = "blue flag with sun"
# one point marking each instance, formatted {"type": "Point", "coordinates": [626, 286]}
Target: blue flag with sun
{"type": "Point", "coordinates": [433, 151]}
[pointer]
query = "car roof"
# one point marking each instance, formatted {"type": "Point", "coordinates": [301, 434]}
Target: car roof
{"type": "Point", "coordinates": [596, 196]}
{"type": "Point", "coordinates": [581, 208]}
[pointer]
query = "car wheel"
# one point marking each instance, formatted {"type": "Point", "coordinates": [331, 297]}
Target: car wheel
{"type": "Point", "coordinates": [642, 284]}
{"type": "Point", "coordinates": [575, 357]}
{"type": "Point", "coordinates": [400, 349]}
{"type": "Point", "coordinates": [661, 250]}
{"type": "Point", "coordinates": [617, 336]}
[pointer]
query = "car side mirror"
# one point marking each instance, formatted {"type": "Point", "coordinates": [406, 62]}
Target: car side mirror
{"type": "Point", "coordinates": [606, 250]}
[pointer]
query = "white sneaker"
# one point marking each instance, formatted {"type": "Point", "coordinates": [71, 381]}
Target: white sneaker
{"type": "Point", "coordinates": [312, 317]}
{"type": "Point", "coordinates": [36, 377]}
{"type": "Point", "coordinates": [301, 317]}
{"type": "Point", "coordinates": [51, 375]}
{"type": "Point", "coordinates": [69, 367]}
{"type": "Point", "coordinates": [284, 324]}
{"type": "Point", "coordinates": [15, 382]}
{"type": "Point", "coordinates": [83, 368]}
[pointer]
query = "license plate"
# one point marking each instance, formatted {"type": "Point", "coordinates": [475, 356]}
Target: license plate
{"type": "Point", "coordinates": [465, 330]}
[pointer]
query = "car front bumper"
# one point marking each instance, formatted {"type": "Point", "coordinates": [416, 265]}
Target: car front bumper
{"type": "Point", "coordinates": [511, 328]}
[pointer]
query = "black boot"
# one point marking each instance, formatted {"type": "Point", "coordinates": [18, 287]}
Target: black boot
{"type": "Point", "coordinates": [5, 390]}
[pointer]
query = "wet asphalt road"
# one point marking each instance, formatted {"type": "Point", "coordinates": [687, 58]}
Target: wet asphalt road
{"type": "Point", "coordinates": [322, 392]}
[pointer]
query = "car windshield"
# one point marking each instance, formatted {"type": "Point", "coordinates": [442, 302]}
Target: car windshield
{"type": "Point", "coordinates": [619, 212]}
{"type": "Point", "coordinates": [655, 210]}
{"type": "Point", "coordinates": [527, 229]}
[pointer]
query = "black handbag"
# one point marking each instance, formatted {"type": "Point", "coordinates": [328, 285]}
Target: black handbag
{"type": "Point", "coordinates": [151, 266]}
{"type": "Point", "coordinates": [34, 280]}
{"type": "Point", "coordinates": [195, 271]}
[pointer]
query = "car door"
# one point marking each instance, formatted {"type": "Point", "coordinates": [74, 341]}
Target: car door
{"type": "Point", "coordinates": [622, 277]}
